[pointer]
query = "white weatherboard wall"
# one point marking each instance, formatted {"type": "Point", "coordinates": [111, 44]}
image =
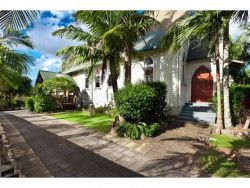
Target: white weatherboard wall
{"type": "Point", "coordinates": [79, 79]}
{"type": "Point", "coordinates": [167, 68]}
{"type": "Point", "coordinates": [192, 66]}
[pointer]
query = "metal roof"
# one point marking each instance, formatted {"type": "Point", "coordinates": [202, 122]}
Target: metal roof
{"type": "Point", "coordinates": [198, 51]}
{"type": "Point", "coordinates": [48, 75]}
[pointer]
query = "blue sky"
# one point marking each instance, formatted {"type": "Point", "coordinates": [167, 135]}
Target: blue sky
{"type": "Point", "coordinates": [46, 45]}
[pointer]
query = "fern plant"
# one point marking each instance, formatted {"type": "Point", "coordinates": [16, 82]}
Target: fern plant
{"type": "Point", "coordinates": [134, 132]}
{"type": "Point", "coordinates": [122, 129]}
{"type": "Point", "coordinates": [151, 130]}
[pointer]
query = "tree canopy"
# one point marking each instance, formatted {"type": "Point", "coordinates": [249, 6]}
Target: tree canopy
{"type": "Point", "coordinates": [58, 84]}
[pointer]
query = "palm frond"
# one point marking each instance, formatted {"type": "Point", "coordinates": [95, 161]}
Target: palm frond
{"type": "Point", "coordinates": [17, 19]}
{"type": "Point", "coordinates": [19, 62]}
{"type": "Point", "coordinates": [15, 38]}
{"type": "Point", "coordinates": [73, 33]}
{"type": "Point", "coordinates": [240, 16]}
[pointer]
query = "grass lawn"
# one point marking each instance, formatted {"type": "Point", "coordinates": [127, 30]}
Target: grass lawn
{"type": "Point", "coordinates": [99, 122]}
{"type": "Point", "coordinates": [219, 165]}
{"type": "Point", "coordinates": [230, 142]}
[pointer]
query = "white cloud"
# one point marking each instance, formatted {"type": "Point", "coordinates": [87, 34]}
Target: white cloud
{"type": "Point", "coordinates": [45, 43]}
{"type": "Point", "coordinates": [47, 63]}
{"type": "Point", "coordinates": [62, 14]}
{"type": "Point", "coordinates": [51, 20]}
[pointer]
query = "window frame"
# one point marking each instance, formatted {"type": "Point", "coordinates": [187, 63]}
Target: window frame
{"type": "Point", "coordinates": [98, 75]}
{"type": "Point", "coordinates": [146, 67]}
{"type": "Point", "coordinates": [87, 83]}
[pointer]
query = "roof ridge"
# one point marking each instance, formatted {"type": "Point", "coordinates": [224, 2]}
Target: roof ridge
{"type": "Point", "coordinates": [46, 71]}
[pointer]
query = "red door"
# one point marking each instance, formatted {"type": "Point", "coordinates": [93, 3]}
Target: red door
{"type": "Point", "coordinates": [202, 85]}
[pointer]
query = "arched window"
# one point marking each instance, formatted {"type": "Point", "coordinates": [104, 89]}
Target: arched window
{"type": "Point", "coordinates": [149, 69]}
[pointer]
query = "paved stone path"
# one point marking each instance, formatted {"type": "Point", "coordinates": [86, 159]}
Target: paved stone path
{"type": "Point", "coordinates": [64, 158]}
{"type": "Point", "coordinates": [72, 150]}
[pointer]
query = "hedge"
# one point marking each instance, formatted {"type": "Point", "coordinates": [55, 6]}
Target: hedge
{"type": "Point", "coordinates": [239, 100]}
{"type": "Point", "coordinates": [44, 103]}
{"type": "Point", "coordinates": [29, 103]}
{"type": "Point", "coordinates": [40, 103]}
{"type": "Point", "coordinates": [142, 101]}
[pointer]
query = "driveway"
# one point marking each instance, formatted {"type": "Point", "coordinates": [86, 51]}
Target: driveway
{"type": "Point", "coordinates": [63, 149]}
{"type": "Point", "coordinates": [62, 157]}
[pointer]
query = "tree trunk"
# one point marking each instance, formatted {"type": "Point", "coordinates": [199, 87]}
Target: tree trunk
{"type": "Point", "coordinates": [246, 126]}
{"type": "Point", "coordinates": [218, 88]}
{"type": "Point", "coordinates": [127, 67]}
{"type": "Point", "coordinates": [226, 100]}
{"type": "Point", "coordinates": [113, 73]}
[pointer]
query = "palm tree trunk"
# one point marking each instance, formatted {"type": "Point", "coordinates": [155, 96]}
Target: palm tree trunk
{"type": "Point", "coordinates": [219, 122]}
{"type": "Point", "coordinates": [127, 68]}
{"type": "Point", "coordinates": [226, 100]}
{"type": "Point", "coordinates": [113, 73]}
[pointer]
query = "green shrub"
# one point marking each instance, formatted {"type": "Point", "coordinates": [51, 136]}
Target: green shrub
{"type": "Point", "coordinates": [134, 131]}
{"type": "Point", "coordinates": [29, 103]}
{"type": "Point", "coordinates": [151, 130]}
{"type": "Point", "coordinates": [14, 104]}
{"type": "Point", "coordinates": [160, 89]}
{"type": "Point", "coordinates": [4, 104]}
{"type": "Point", "coordinates": [239, 100]}
{"type": "Point", "coordinates": [122, 129]}
{"type": "Point", "coordinates": [135, 102]}
{"type": "Point", "coordinates": [238, 95]}
{"type": "Point", "coordinates": [142, 101]}
{"type": "Point", "coordinates": [44, 103]}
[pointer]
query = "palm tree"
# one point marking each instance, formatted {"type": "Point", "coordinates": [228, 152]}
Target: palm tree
{"type": "Point", "coordinates": [13, 63]}
{"type": "Point", "coordinates": [17, 19]}
{"type": "Point", "coordinates": [10, 58]}
{"type": "Point", "coordinates": [92, 51]}
{"type": "Point", "coordinates": [201, 26]}
{"type": "Point", "coordinates": [130, 27]}
{"type": "Point", "coordinates": [120, 32]}
{"type": "Point", "coordinates": [211, 26]}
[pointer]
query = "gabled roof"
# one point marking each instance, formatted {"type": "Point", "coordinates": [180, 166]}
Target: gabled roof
{"type": "Point", "coordinates": [198, 51]}
{"type": "Point", "coordinates": [152, 39]}
{"type": "Point", "coordinates": [45, 75]}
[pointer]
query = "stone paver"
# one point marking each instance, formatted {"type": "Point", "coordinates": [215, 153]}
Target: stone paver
{"type": "Point", "coordinates": [159, 156]}
{"type": "Point", "coordinates": [28, 162]}
{"type": "Point", "coordinates": [61, 157]}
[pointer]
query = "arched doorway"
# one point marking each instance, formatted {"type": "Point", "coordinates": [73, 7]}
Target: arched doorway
{"type": "Point", "coordinates": [202, 85]}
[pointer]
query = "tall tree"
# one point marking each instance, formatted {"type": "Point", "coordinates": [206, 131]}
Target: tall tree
{"type": "Point", "coordinates": [210, 26]}
{"type": "Point", "coordinates": [202, 26]}
{"type": "Point", "coordinates": [92, 51]}
{"type": "Point", "coordinates": [130, 27]}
